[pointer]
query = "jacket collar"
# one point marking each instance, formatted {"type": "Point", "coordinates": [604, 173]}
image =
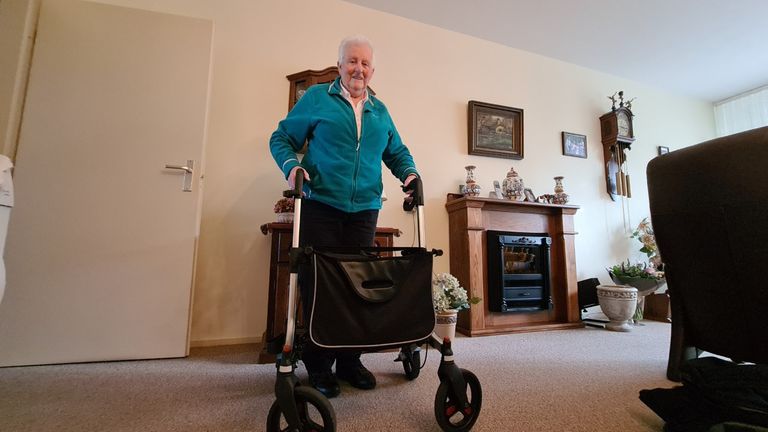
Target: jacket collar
{"type": "Point", "coordinates": [335, 89]}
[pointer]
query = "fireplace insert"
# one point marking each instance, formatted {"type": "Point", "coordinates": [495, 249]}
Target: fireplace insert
{"type": "Point", "coordinates": [518, 271]}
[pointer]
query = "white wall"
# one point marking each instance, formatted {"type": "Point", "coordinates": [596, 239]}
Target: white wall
{"type": "Point", "coordinates": [426, 76]}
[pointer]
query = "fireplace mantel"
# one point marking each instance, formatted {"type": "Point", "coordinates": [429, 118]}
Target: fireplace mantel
{"type": "Point", "coordinates": [469, 218]}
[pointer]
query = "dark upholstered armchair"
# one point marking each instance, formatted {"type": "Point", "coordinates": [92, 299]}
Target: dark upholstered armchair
{"type": "Point", "coordinates": [709, 209]}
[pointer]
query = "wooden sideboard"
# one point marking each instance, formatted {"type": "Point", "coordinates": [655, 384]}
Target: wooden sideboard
{"type": "Point", "coordinates": [657, 308]}
{"type": "Point", "coordinates": [469, 218]}
{"type": "Point", "coordinates": [279, 273]}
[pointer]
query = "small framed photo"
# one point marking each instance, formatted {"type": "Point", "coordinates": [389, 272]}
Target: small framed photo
{"type": "Point", "coordinates": [529, 196]}
{"type": "Point", "coordinates": [663, 150]}
{"type": "Point", "coordinates": [495, 130]}
{"type": "Point", "coordinates": [574, 145]}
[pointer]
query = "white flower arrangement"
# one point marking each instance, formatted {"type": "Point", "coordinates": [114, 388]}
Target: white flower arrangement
{"type": "Point", "coordinates": [447, 293]}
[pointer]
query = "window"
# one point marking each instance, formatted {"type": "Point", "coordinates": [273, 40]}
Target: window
{"type": "Point", "coordinates": [742, 112]}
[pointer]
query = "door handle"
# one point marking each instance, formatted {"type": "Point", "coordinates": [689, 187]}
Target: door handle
{"type": "Point", "coordinates": [189, 170]}
{"type": "Point", "coordinates": [180, 167]}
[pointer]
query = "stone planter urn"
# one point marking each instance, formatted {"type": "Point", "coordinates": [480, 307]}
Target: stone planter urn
{"type": "Point", "coordinates": [618, 303]}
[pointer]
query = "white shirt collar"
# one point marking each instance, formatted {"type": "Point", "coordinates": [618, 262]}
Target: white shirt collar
{"type": "Point", "coordinates": [348, 96]}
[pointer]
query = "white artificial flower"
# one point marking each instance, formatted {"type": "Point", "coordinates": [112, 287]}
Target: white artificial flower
{"type": "Point", "coordinates": [447, 293]}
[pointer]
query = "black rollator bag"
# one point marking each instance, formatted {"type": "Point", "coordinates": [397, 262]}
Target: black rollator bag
{"type": "Point", "coordinates": [371, 302]}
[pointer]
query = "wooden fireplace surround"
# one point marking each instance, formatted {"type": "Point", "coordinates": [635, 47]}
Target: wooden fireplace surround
{"type": "Point", "coordinates": [469, 218]}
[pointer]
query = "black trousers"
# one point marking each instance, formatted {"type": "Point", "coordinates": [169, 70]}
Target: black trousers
{"type": "Point", "coordinates": [323, 225]}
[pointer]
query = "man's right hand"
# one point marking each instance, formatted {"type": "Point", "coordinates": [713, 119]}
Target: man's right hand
{"type": "Point", "coordinates": [292, 177]}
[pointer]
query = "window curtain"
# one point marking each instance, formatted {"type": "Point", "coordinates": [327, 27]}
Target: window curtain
{"type": "Point", "coordinates": [742, 112]}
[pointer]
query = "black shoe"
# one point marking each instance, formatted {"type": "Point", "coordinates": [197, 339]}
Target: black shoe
{"type": "Point", "coordinates": [325, 382]}
{"type": "Point", "coordinates": [357, 375]}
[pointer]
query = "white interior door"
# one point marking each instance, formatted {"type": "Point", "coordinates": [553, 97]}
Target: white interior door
{"type": "Point", "coordinates": [101, 243]}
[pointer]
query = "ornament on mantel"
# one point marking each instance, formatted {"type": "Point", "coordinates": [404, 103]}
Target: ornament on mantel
{"type": "Point", "coordinates": [471, 188]}
{"type": "Point", "coordinates": [513, 187]}
{"type": "Point", "coordinates": [560, 196]}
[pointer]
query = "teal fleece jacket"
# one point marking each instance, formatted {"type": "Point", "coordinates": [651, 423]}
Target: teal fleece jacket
{"type": "Point", "coordinates": [344, 173]}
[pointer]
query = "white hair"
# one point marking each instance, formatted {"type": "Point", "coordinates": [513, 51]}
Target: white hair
{"type": "Point", "coordinates": [355, 40]}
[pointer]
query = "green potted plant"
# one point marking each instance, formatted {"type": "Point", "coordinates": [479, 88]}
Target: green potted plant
{"type": "Point", "coordinates": [640, 275]}
{"type": "Point", "coordinates": [645, 277]}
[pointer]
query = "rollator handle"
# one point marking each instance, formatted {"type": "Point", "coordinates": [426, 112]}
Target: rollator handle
{"type": "Point", "coordinates": [417, 197]}
{"type": "Point", "coordinates": [298, 185]}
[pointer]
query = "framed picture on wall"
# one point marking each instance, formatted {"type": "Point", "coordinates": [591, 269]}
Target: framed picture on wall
{"type": "Point", "coordinates": [574, 145]}
{"type": "Point", "coordinates": [495, 130]}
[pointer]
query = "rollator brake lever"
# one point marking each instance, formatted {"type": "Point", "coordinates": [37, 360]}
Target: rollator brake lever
{"type": "Point", "coordinates": [417, 197]}
{"type": "Point", "coordinates": [298, 185]}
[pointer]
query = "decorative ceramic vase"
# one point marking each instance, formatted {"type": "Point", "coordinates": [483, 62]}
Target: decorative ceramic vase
{"type": "Point", "coordinates": [445, 324]}
{"type": "Point", "coordinates": [471, 188]}
{"type": "Point", "coordinates": [560, 196]}
{"type": "Point", "coordinates": [513, 187]}
{"type": "Point", "coordinates": [285, 217]}
{"type": "Point", "coordinates": [618, 303]}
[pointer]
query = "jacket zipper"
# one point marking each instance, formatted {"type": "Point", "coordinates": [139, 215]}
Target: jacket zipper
{"type": "Point", "coordinates": [357, 155]}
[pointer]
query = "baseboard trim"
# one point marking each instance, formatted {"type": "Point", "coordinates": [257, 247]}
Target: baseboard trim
{"type": "Point", "coordinates": [223, 342]}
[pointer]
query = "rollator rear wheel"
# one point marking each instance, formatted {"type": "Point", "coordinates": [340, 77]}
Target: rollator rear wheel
{"type": "Point", "coordinates": [411, 359]}
{"type": "Point", "coordinates": [449, 415]}
{"type": "Point", "coordinates": [315, 412]}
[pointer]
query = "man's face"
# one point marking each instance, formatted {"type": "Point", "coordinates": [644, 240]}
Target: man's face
{"type": "Point", "coordinates": [356, 68]}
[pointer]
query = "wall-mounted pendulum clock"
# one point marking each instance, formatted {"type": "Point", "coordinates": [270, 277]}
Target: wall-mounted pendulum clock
{"type": "Point", "coordinates": [617, 136]}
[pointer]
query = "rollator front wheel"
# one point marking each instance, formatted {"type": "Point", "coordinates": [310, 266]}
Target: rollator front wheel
{"type": "Point", "coordinates": [315, 412]}
{"type": "Point", "coordinates": [411, 358]}
{"type": "Point", "coordinates": [452, 417]}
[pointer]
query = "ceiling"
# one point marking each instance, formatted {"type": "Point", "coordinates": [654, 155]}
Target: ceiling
{"type": "Point", "coordinates": [706, 49]}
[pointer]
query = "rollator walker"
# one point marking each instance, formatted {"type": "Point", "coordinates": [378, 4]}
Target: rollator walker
{"type": "Point", "coordinates": [381, 299]}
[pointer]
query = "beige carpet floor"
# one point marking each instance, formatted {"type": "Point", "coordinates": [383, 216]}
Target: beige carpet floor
{"type": "Point", "coordinates": [569, 380]}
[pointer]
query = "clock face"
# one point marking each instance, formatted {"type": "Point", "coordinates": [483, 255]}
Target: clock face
{"type": "Point", "coordinates": [623, 123]}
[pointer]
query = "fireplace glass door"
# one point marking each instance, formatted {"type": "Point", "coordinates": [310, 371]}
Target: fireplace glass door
{"type": "Point", "coordinates": [518, 271]}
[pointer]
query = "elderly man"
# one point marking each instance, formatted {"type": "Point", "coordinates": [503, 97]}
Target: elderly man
{"type": "Point", "coordinates": [350, 133]}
